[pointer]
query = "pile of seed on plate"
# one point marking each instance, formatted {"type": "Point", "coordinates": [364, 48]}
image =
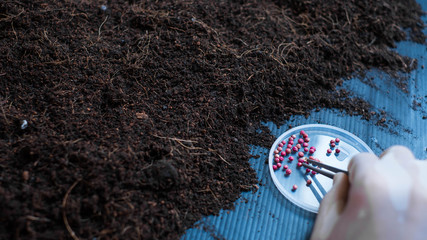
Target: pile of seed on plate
{"type": "Point", "coordinates": [300, 150]}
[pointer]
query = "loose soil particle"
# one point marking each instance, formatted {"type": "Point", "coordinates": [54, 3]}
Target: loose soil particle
{"type": "Point", "coordinates": [140, 114]}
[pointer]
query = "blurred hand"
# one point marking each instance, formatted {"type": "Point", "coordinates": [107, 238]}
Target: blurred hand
{"type": "Point", "coordinates": [382, 198]}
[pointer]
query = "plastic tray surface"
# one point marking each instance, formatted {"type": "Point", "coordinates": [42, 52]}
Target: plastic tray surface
{"type": "Point", "coordinates": [308, 196]}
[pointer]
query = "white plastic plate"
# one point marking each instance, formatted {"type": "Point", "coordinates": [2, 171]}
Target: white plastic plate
{"type": "Point", "coordinates": [306, 196]}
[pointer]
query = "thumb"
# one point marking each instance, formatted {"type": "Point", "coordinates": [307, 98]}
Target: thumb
{"type": "Point", "coordinates": [331, 207]}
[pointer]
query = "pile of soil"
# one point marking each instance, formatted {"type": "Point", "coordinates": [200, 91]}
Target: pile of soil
{"type": "Point", "coordinates": [133, 119]}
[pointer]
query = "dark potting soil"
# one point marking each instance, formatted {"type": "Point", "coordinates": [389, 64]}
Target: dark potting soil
{"type": "Point", "coordinates": [139, 114]}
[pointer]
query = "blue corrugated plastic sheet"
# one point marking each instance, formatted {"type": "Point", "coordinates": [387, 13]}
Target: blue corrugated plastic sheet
{"type": "Point", "coordinates": [267, 214]}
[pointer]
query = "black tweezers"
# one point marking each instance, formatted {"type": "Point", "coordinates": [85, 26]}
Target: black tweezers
{"type": "Point", "coordinates": [321, 171]}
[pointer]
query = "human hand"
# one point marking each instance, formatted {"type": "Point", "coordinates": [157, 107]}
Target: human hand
{"type": "Point", "coordinates": [382, 198]}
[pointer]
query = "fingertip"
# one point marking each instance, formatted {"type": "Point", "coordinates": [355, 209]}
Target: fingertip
{"type": "Point", "coordinates": [341, 185]}
{"type": "Point", "coordinates": [360, 158]}
{"type": "Point", "coordinates": [339, 177]}
{"type": "Point", "coordinates": [360, 164]}
{"type": "Point", "coordinates": [338, 192]}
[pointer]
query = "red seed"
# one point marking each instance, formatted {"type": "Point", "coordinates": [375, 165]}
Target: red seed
{"type": "Point", "coordinates": [311, 158]}
{"type": "Point", "coordinates": [308, 181]}
{"type": "Point", "coordinates": [290, 139]}
{"type": "Point", "coordinates": [288, 171]}
{"type": "Point", "coordinates": [307, 139]}
{"type": "Point", "coordinates": [300, 140]}
{"type": "Point", "coordinates": [295, 149]}
{"type": "Point", "coordinates": [283, 153]}
{"type": "Point", "coordinates": [329, 151]}
{"type": "Point", "coordinates": [276, 152]}
{"type": "Point", "coordinates": [280, 144]}
{"type": "Point", "coordinates": [302, 132]}
{"type": "Point", "coordinates": [298, 146]}
{"type": "Point", "coordinates": [291, 158]}
{"type": "Point", "coordinates": [305, 135]}
{"type": "Point", "coordinates": [277, 159]}
{"type": "Point", "coordinates": [291, 142]}
{"type": "Point", "coordinates": [288, 150]}
{"type": "Point", "coordinates": [294, 187]}
{"type": "Point", "coordinates": [300, 160]}
{"type": "Point", "coordinates": [332, 141]}
{"type": "Point", "coordinates": [279, 149]}
{"type": "Point", "coordinates": [306, 149]}
{"type": "Point", "coordinates": [307, 170]}
{"type": "Point", "coordinates": [311, 151]}
{"type": "Point", "coordinates": [274, 167]}
{"type": "Point", "coordinates": [279, 165]}
{"type": "Point", "coordinates": [300, 154]}
{"type": "Point", "coordinates": [337, 150]}
{"type": "Point", "coordinates": [285, 167]}
{"type": "Point", "coordinates": [313, 172]}
{"type": "Point", "coordinates": [281, 159]}
{"type": "Point", "coordinates": [294, 136]}
{"type": "Point", "coordinates": [305, 144]}
{"type": "Point", "coordinates": [337, 140]}
{"type": "Point", "coordinates": [289, 146]}
{"type": "Point", "coordinates": [283, 142]}
{"type": "Point", "coordinates": [299, 164]}
{"type": "Point", "coordinates": [312, 147]}
{"type": "Point", "coordinates": [276, 155]}
{"type": "Point", "coordinates": [332, 145]}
